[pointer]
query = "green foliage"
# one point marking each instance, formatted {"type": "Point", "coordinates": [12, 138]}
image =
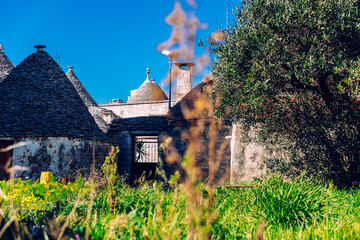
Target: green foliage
{"type": "Point", "coordinates": [292, 68]}
{"type": "Point", "coordinates": [140, 150]}
{"type": "Point", "coordinates": [297, 209]}
{"type": "Point", "coordinates": [109, 169]}
{"type": "Point", "coordinates": [287, 204]}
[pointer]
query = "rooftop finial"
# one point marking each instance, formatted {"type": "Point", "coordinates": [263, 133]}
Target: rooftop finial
{"type": "Point", "coordinates": [40, 47]}
{"type": "Point", "coordinates": [148, 73]}
{"type": "Point", "coordinates": [70, 67]}
{"type": "Point", "coordinates": [1, 48]}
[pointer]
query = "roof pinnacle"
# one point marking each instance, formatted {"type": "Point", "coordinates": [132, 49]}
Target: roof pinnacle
{"type": "Point", "coordinates": [148, 74]}
{"type": "Point", "coordinates": [70, 68]}
{"type": "Point", "coordinates": [40, 47]}
{"type": "Point", "coordinates": [1, 48]}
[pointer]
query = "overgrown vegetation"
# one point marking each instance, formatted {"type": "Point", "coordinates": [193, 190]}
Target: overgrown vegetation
{"type": "Point", "coordinates": [274, 209]}
{"type": "Point", "coordinates": [292, 68]}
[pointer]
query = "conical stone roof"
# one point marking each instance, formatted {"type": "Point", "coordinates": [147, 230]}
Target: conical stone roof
{"type": "Point", "coordinates": [85, 96]}
{"type": "Point", "coordinates": [38, 100]}
{"type": "Point", "coordinates": [90, 103]}
{"type": "Point", "coordinates": [6, 66]}
{"type": "Point", "coordinates": [149, 91]}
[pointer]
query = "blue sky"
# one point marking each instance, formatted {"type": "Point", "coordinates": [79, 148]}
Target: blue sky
{"type": "Point", "coordinates": [110, 42]}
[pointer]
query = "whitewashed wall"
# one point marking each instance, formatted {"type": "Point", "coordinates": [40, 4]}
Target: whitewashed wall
{"type": "Point", "coordinates": [61, 156]}
{"type": "Point", "coordinates": [127, 110]}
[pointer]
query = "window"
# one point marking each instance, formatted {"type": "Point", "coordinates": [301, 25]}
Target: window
{"type": "Point", "coordinates": [146, 149]}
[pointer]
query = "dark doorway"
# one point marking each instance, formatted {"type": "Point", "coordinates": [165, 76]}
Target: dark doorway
{"type": "Point", "coordinates": [145, 158]}
{"type": "Point", "coordinates": [5, 158]}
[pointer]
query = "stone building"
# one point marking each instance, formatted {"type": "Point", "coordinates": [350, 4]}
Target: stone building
{"type": "Point", "coordinates": [6, 66]}
{"type": "Point", "coordinates": [236, 160]}
{"type": "Point", "coordinates": [150, 131]}
{"type": "Point", "coordinates": [144, 123]}
{"type": "Point", "coordinates": [42, 110]}
{"type": "Point", "coordinates": [63, 130]}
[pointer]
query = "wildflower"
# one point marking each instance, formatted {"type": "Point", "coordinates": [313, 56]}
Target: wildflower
{"type": "Point", "coordinates": [76, 236]}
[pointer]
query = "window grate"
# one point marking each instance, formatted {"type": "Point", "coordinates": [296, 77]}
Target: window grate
{"type": "Point", "coordinates": [146, 149]}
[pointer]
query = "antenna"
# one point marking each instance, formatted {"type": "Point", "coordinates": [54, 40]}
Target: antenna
{"type": "Point", "coordinates": [227, 14]}
{"type": "Point", "coordinates": [58, 58]}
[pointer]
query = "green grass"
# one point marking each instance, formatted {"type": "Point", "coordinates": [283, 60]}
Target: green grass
{"type": "Point", "coordinates": [274, 209]}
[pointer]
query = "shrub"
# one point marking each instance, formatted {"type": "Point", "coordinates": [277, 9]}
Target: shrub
{"type": "Point", "coordinates": [290, 203]}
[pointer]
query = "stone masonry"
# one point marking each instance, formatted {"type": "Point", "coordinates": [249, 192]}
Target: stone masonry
{"type": "Point", "coordinates": [184, 79]}
{"type": "Point", "coordinates": [6, 66]}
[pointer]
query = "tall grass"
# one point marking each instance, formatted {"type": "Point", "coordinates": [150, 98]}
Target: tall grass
{"type": "Point", "coordinates": [273, 209]}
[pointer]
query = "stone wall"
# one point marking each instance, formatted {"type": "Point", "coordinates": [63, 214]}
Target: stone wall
{"type": "Point", "coordinates": [180, 128]}
{"type": "Point", "coordinates": [128, 110]}
{"type": "Point", "coordinates": [247, 156]}
{"type": "Point", "coordinates": [62, 156]}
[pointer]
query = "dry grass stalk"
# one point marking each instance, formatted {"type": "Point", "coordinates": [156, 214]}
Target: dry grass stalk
{"type": "Point", "coordinates": [12, 171]}
{"type": "Point", "coordinates": [202, 140]}
{"type": "Point", "coordinates": [183, 36]}
{"type": "Point", "coordinates": [260, 233]}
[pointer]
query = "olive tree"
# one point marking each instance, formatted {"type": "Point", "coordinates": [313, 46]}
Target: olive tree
{"type": "Point", "coordinates": [292, 67]}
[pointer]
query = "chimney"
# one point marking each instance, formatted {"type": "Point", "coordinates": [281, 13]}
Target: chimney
{"type": "Point", "coordinates": [184, 79]}
{"type": "Point", "coordinates": [1, 48]}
